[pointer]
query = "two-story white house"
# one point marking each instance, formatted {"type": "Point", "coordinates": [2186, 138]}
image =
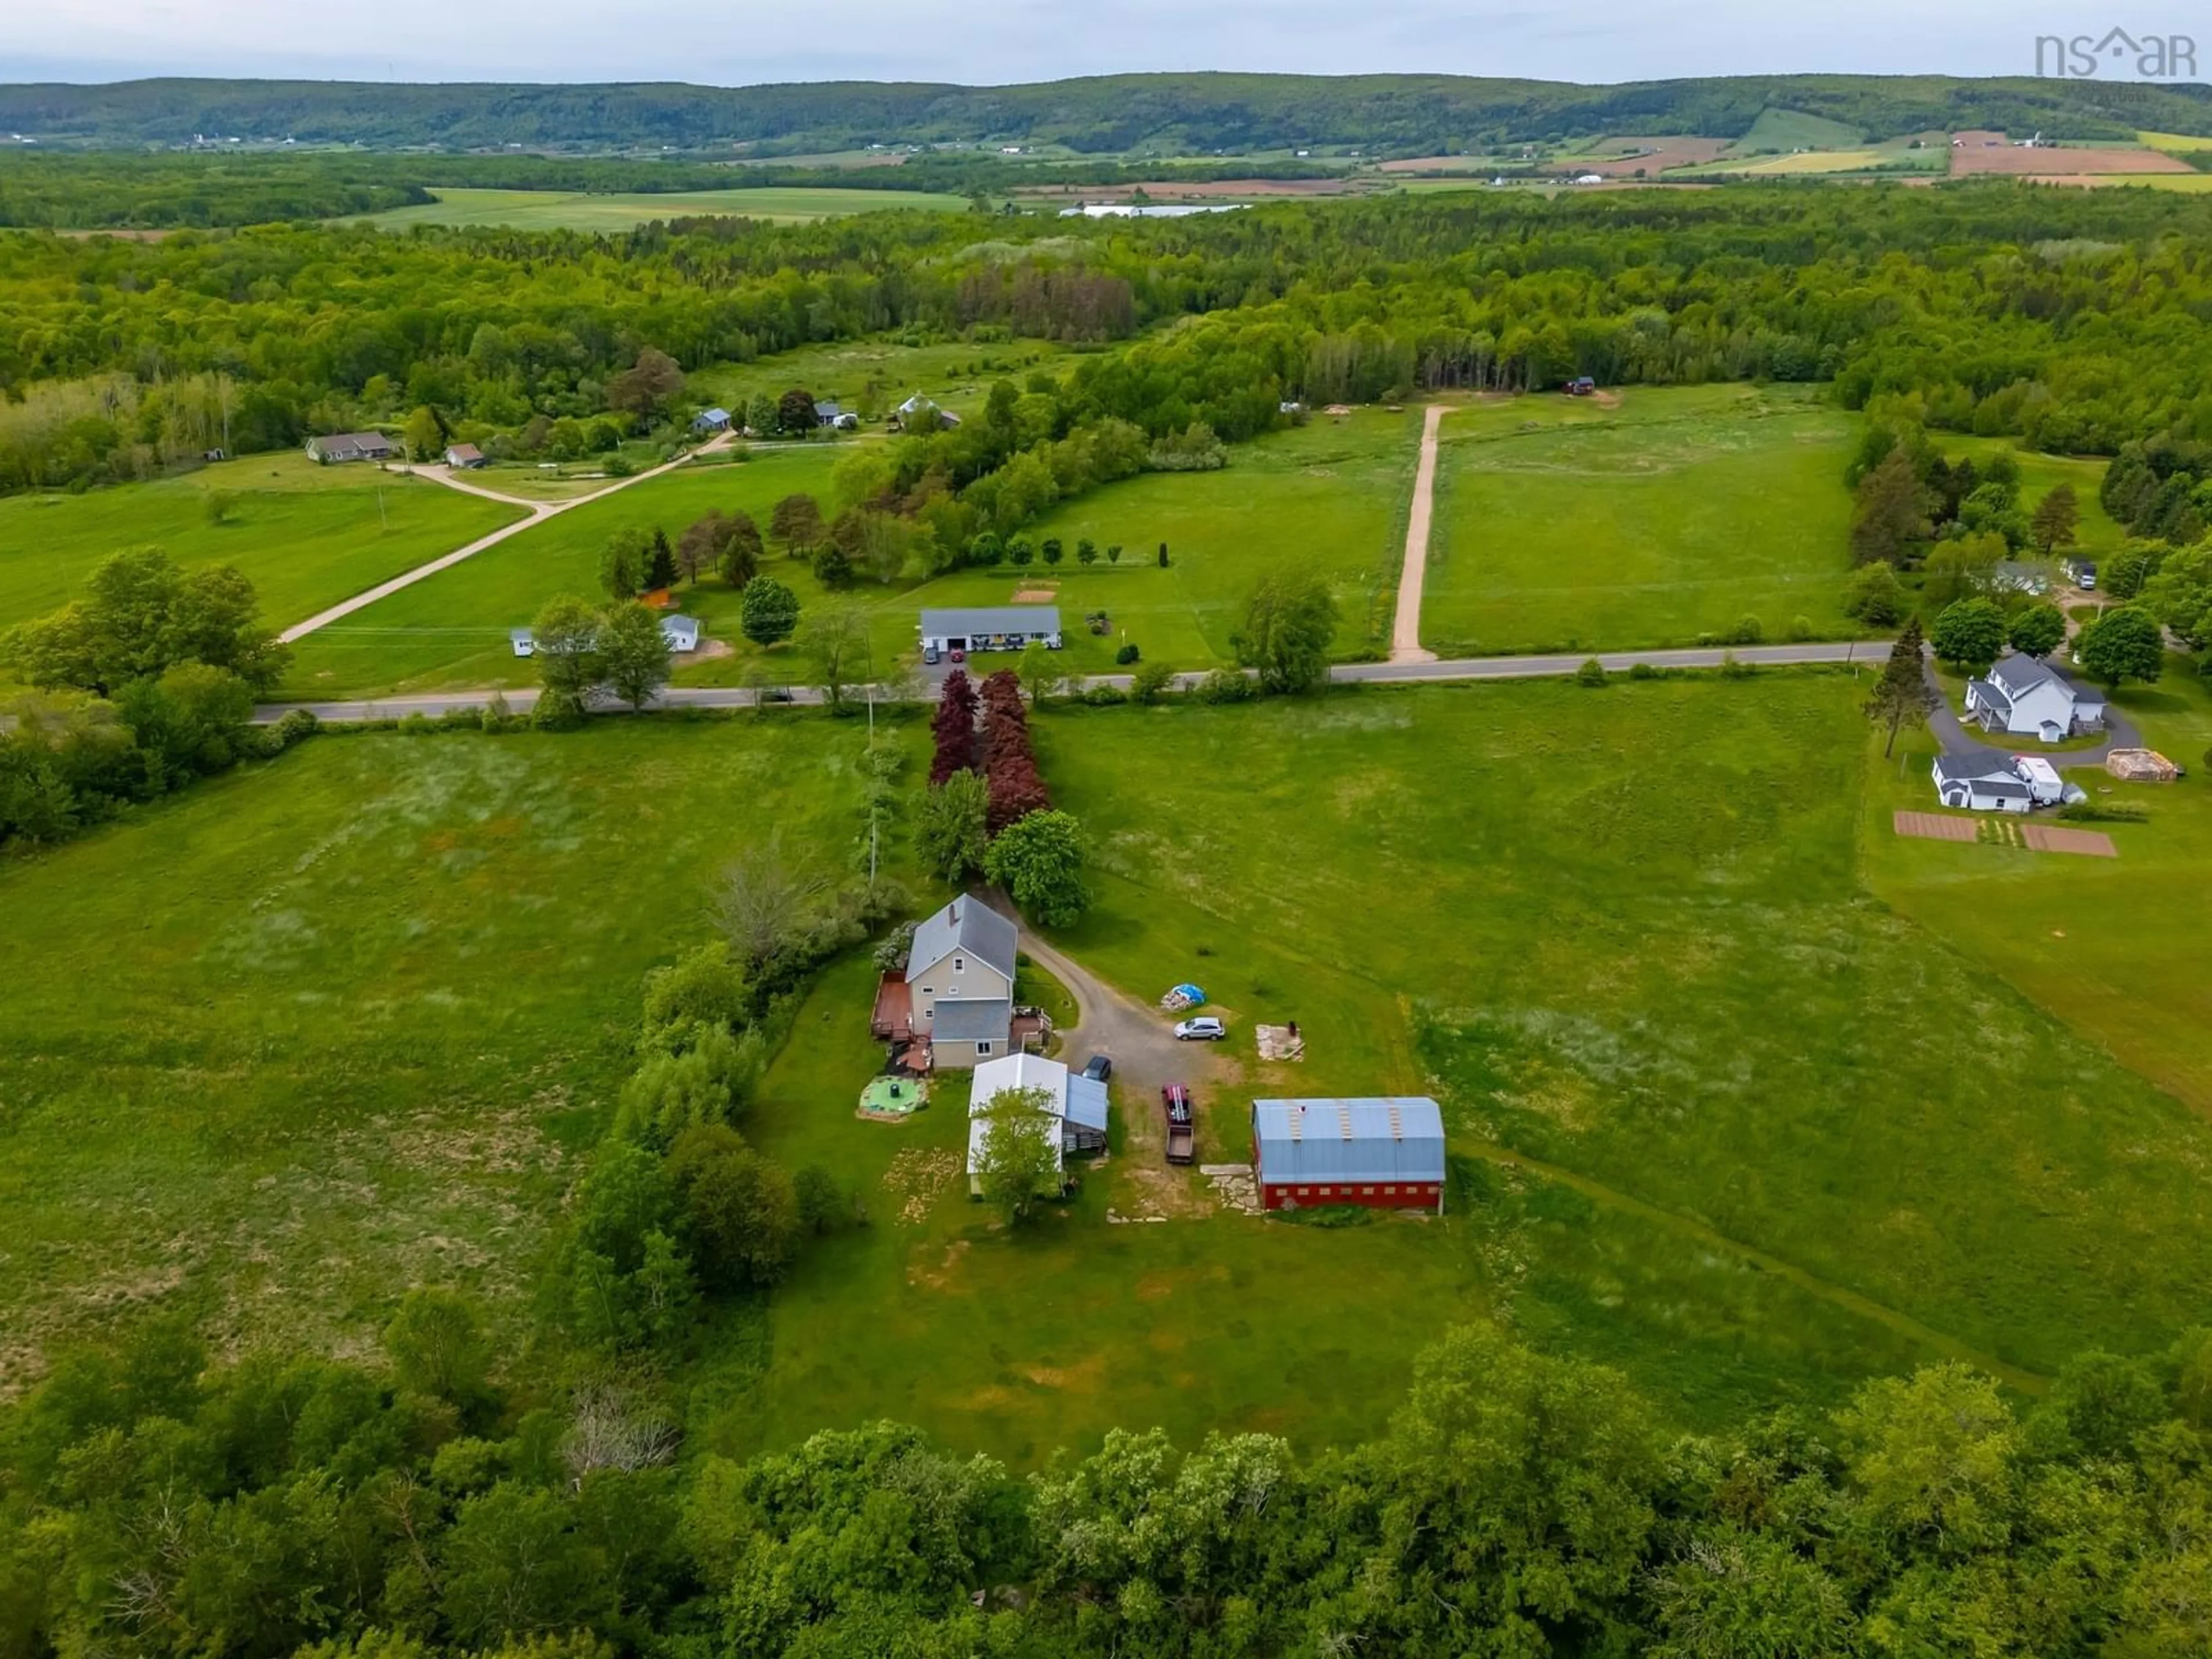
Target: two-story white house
{"type": "Point", "coordinates": [2025, 696]}
{"type": "Point", "coordinates": [960, 975]}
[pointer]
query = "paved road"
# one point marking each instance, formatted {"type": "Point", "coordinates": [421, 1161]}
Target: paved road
{"type": "Point", "coordinates": [1405, 625]}
{"type": "Point", "coordinates": [434, 704]}
{"type": "Point", "coordinates": [539, 512]}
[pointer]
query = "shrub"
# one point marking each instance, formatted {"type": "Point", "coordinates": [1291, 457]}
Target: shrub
{"type": "Point", "coordinates": [1127, 654]}
{"type": "Point", "coordinates": [1747, 631]}
{"type": "Point", "coordinates": [1105, 696]}
{"type": "Point", "coordinates": [824, 1205]}
{"type": "Point", "coordinates": [1590, 673]}
{"type": "Point", "coordinates": [1642, 671]}
{"type": "Point", "coordinates": [2104, 811]}
{"type": "Point", "coordinates": [1149, 682]}
{"type": "Point", "coordinates": [1733, 667]}
{"type": "Point", "coordinates": [1226, 685]}
{"type": "Point", "coordinates": [1801, 628]}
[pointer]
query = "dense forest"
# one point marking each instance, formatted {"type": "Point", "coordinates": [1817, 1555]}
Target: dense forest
{"type": "Point", "coordinates": [2072, 319]}
{"type": "Point", "coordinates": [1520, 1504]}
{"type": "Point", "coordinates": [1411, 114]}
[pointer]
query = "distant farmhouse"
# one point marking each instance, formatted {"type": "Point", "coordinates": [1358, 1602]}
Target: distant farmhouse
{"type": "Point", "coordinates": [350, 446]}
{"type": "Point", "coordinates": [991, 627]}
{"type": "Point", "coordinates": [2025, 696]}
{"type": "Point", "coordinates": [464, 457]}
{"type": "Point", "coordinates": [711, 420]}
{"type": "Point", "coordinates": [830, 415]}
{"type": "Point", "coordinates": [1381, 1153]}
{"type": "Point", "coordinates": [922, 414]}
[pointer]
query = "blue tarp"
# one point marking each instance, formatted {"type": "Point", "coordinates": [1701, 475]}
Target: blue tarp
{"type": "Point", "coordinates": [1190, 991]}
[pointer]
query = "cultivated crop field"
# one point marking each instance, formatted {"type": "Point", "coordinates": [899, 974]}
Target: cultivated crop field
{"type": "Point", "coordinates": [307, 536]}
{"type": "Point", "coordinates": [544, 210]}
{"type": "Point", "coordinates": [1641, 521]}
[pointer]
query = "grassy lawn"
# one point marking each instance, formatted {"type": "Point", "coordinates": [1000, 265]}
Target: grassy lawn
{"type": "Point", "coordinates": [1334, 492]}
{"type": "Point", "coordinates": [338, 1024]}
{"type": "Point", "coordinates": [1564, 526]}
{"type": "Point", "coordinates": [2040, 474]}
{"type": "Point", "coordinates": [308, 535]}
{"type": "Point", "coordinates": [2100, 940]}
{"type": "Point", "coordinates": [876, 375]}
{"type": "Point", "coordinates": [452, 630]}
{"type": "Point", "coordinates": [552, 210]}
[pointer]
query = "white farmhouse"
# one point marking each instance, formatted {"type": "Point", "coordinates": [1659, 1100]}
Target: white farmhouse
{"type": "Point", "coordinates": [2025, 696]}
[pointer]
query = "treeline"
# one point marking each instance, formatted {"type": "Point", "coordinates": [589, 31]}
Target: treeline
{"type": "Point", "coordinates": [2071, 319]}
{"type": "Point", "coordinates": [106, 191]}
{"type": "Point", "coordinates": [1412, 114]}
{"type": "Point", "coordinates": [144, 684]}
{"type": "Point", "coordinates": [1519, 1503]}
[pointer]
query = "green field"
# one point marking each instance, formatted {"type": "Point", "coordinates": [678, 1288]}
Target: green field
{"type": "Point", "coordinates": [2095, 938]}
{"type": "Point", "coordinates": [1332, 492]}
{"type": "Point", "coordinates": [1565, 525]}
{"type": "Point", "coordinates": [1787, 130]}
{"type": "Point", "coordinates": [308, 535]}
{"type": "Point", "coordinates": [872, 376]}
{"type": "Point", "coordinates": [546, 209]}
{"type": "Point", "coordinates": [341, 1023]}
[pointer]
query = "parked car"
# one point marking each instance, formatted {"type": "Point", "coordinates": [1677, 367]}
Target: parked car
{"type": "Point", "coordinates": [1099, 1068]}
{"type": "Point", "coordinates": [958, 654]}
{"type": "Point", "coordinates": [1205, 1028]}
{"type": "Point", "coordinates": [930, 655]}
{"type": "Point", "coordinates": [1175, 1106]}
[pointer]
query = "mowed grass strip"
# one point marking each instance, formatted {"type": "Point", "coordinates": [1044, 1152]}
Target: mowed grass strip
{"type": "Point", "coordinates": [1567, 525]}
{"type": "Point", "coordinates": [307, 536]}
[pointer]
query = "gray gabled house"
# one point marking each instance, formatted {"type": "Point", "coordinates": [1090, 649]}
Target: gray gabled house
{"type": "Point", "coordinates": [1981, 781]}
{"type": "Point", "coordinates": [960, 976]}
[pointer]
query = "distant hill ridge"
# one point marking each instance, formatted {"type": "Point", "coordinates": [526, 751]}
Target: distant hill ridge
{"type": "Point", "coordinates": [1403, 114]}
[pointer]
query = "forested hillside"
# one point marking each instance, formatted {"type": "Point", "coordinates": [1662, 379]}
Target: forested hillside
{"type": "Point", "coordinates": [1410, 113]}
{"type": "Point", "coordinates": [2072, 319]}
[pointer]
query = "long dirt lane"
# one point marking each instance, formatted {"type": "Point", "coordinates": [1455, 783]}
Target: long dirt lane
{"type": "Point", "coordinates": [1406, 626]}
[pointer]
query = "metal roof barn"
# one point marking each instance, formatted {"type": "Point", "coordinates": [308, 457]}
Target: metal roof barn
{"type": "Point", "coordinates": [1395, 1138]}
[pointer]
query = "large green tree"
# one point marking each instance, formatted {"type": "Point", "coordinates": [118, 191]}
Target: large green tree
{"type": "Point", "coordinates": [1902, 696]}
{"type": "Point", "coordinates": [2123, 644]}
{"type": "Point", "coordinates": [2037, 630]}
{"type": "Point", "coordinates": [2056, 518]}
{"type": "Point", "coordinates": [141, 615]}
{"type": "Point", "coordinates": [1017, 1162]}
{"type": "Point", "coordinates": [1289, 624]}
{"type": "Point", "coordinates": [952, 828]}
{"type": "Point", "coordinates": [1039, 859]}
{"type": "Point", "coordinates": [1889, 514]}
{"type": "Point", "coordinates": [565, 642]}
{"type": "Point", "coordinates": [769, 611]}
{"type": "Point", "coordinates": [1969, 634]}
{"type": "Point", "coordinates": [634, 654]}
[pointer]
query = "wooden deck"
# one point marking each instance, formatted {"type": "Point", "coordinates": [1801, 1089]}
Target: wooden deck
{"type": "Point", "coordinates": [893, 1019]}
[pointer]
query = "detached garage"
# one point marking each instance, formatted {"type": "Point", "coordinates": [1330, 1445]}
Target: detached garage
{"type": "Point", "coordinates": [991, 627]}
{"type": "Point", "coordinates": [1384, 1152]}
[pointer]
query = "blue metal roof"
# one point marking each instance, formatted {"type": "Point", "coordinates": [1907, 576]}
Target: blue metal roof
{"type": "Point", "coordinates": [1378, 1138]}
{"type": "Point", "coordinates": [1087, 1102]}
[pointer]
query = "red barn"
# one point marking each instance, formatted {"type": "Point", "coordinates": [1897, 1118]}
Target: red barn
{"type": "Point", "coordinates": [1383, 1154]}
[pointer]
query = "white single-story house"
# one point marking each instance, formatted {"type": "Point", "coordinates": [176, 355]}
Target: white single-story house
{"type": "Point", "coordinates": [960, 975]}
{"type": "Point", "coordinates": [466, 457]}
{"type": "Point", "coordinates": [1075, 1103]}
{"type": "Point", "coordinates": [2020, 576]}
{"type": "Point", "coordinates": [991, 627]}
{"type": "Point", "coordinates": [524, 644]}
{"type": "Point", "coordinates": [711, 420]}
{"type": "Point", "coordinates": [350, 446]}
{"type": "Point", "coordinates": [2025, 696]}
{"type": "Point", "coordinates": [681, 632]}
{"type": "Point", "coordinates": [924, 412]}
{"type": "Point", "coordinates": [1981, 781]}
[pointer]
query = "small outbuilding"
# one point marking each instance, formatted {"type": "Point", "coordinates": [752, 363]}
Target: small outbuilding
{"type": "Point", "coordinates": [1981, 781]}
{"type": "Point", "coordinates": [464, 457]}
{"type": "Point", "coordinates": [681, 632]}
{"type": "Point", "coordinates": [711, 420]}
{"type": "Point", "coordinates": [523, 642]}
{"type": "Point", "coordinates": [1384, 1152]}
{"type": "Point", "coordinates": [991, 627]}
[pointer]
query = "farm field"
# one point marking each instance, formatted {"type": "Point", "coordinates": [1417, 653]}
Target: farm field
{"type": "Point", "coordinates": [2040, 474]}
{"type": "Point", "coordinates": [307, 536]}
{"type": "Point", "coordinates": [2096, 937]}
{"type": "Point", "coordinates": [545, 210]}
{"type": "Point", "coordinates": [957, 373]}
{"type": "Point", "coordinates": [1566, 524]}
{"type": "Point", "coordinates": [335, 1024]}
{"type": "Point", "coordinates": [1335, 492]}
{"type": "Point", "coordinates": [309, 1076]}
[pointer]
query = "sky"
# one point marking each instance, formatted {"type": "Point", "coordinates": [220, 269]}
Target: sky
{"type": "Point", "coordinates": [961, 40]}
